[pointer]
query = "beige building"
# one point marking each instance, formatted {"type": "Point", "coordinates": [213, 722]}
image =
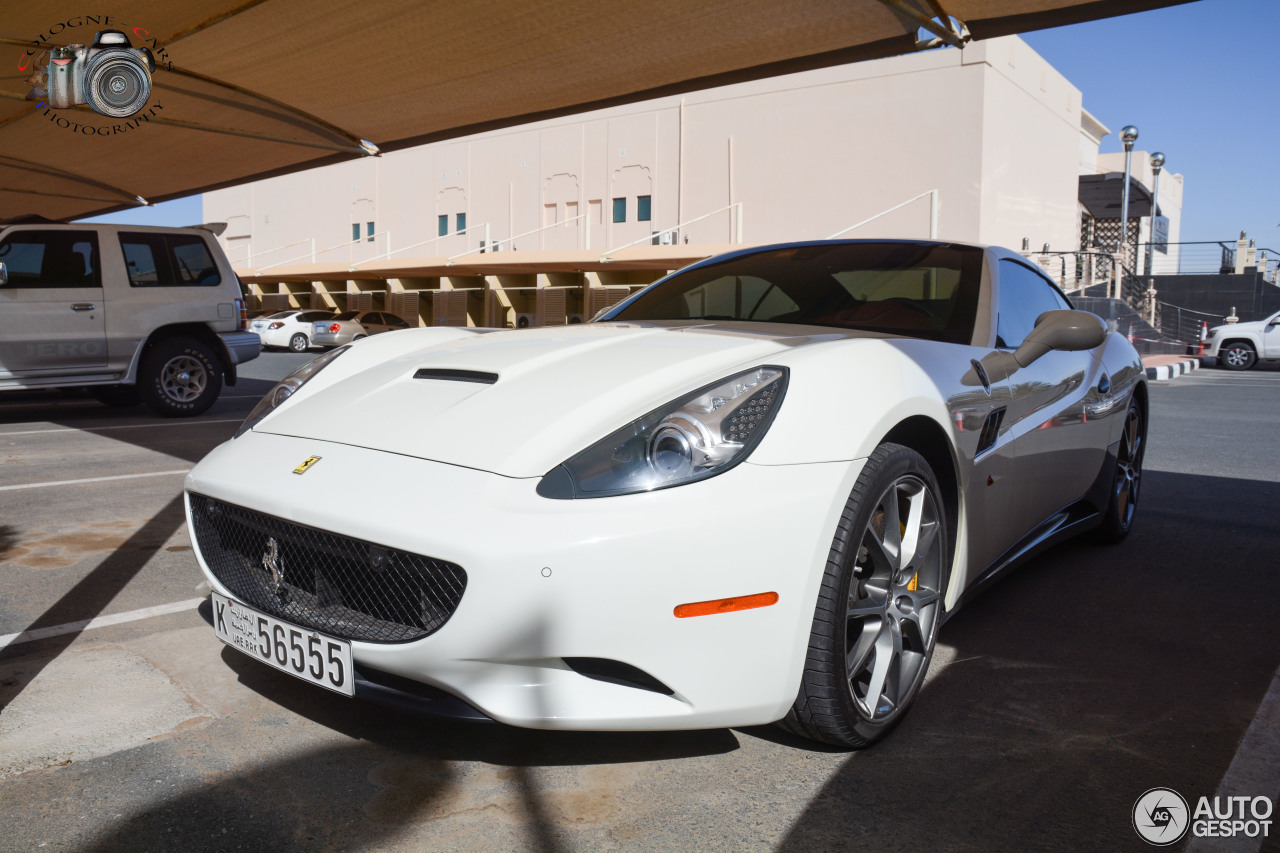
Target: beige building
{"type": "Point", "coordinates": [983, 144]}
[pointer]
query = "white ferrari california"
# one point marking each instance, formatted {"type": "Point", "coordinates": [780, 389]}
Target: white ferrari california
{"type": "Point", "coordinates": [750, 493]}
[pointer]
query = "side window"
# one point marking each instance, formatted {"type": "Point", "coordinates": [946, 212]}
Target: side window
{"type": "Point", "coordinates": [168, 260]}
{"type": "Point", "coordinates": [1024, 296]}
{"type": "Point", "coordinates": [48, 259]}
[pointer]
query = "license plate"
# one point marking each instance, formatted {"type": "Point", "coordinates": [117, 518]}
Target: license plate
{"type": "Point", "coordinates": [301, 652]}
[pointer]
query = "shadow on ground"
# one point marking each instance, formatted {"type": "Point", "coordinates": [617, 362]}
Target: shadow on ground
{"type": "Point", "coordinates": [1084, 679]}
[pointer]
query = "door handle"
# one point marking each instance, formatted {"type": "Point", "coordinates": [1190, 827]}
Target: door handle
{"type": "Point", "coordinates": [83, 306]}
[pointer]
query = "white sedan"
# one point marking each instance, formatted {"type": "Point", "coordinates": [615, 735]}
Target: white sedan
{"type": "Point", "coordinates": [289, 329]}
{"type": "Point", "coordinates": [751, 493]}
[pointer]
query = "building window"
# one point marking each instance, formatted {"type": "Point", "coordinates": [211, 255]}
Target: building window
{"type": "Point", "coordinates": [619, 210]}
{"type": "Point", "coordinates": [462, 222]}
{"type": "Point", "coordinates": [355, 232]}
{"type": "Point", "coordinates": [442, 227]}
{"type": "Point", "coordinates": [368, 231]}
{"type": "Point", "coordinates": [644, 208]}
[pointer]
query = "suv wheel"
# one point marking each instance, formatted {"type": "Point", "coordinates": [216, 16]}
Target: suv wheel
{"type": "Point", "coordinates": [1237, 355]}
{"type": "Point", "coordinates": [180, 377]}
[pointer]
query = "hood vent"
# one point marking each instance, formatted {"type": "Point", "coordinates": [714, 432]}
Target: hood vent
{"type": "Point", "coordinates": [477, 376]}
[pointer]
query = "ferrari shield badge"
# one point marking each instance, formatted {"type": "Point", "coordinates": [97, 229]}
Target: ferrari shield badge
{"type": "Point", "coordinates": [305, 466]}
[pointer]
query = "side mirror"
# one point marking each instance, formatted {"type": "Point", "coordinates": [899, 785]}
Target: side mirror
{"type": "Point", "coordinates": [1054, 330]}
{"type": "Point", "coordinates": [4, 274]}
{"type": "Point", "coordinates": [1061, 330]}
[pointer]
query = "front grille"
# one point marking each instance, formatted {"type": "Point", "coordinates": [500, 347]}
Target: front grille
{"type": "Point", "coordinates": [345, 587]}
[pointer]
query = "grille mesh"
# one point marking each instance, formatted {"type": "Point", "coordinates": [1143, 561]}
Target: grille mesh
{"type": "Point", "coordinates": [344, 587]}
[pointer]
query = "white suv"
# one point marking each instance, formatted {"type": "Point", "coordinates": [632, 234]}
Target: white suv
{"type": "Point", "coordinates": [134, 313]}
{"type": "Point", "coordinates": [1240, 345]}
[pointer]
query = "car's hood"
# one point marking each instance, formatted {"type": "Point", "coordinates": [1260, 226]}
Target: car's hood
{"type": "Point", "coordinates": [558, 390]}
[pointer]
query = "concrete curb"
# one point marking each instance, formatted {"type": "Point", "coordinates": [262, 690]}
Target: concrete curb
{"type": "Point", "coordinates": [1168, 371]}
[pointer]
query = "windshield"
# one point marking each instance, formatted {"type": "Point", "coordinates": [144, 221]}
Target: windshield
{"type": "Point", "coordinates": [914, 289]}
{"type": "Point", "coordinates": [347, 315]}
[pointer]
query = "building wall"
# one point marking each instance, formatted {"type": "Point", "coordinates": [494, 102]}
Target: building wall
{"type": "Point", "coordinates": [992, 127]}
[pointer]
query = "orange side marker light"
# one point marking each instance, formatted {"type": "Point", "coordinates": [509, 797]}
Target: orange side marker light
{"type": "Point", "coordinates": [726, 605]}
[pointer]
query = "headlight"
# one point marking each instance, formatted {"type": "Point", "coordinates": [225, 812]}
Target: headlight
{"type": "Point", "coordinates": [697, 436]}
{"type": "Point", "coordinates": [285, 389]}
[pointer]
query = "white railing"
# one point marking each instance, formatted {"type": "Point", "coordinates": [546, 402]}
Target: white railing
{"type": "Point", "coordinates": [464, 232]}
{"type": "Point", "coordinates": [488, 245]}
{"type": "Point", "coordinates": [737, 230]}
{"type": "Point", "coordinates": [933, 215]}
{"type": "Point", "coordinates": [348, 244]}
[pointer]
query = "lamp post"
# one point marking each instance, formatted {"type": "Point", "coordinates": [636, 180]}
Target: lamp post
{"type": "Point", "coordinates": [1157, 163]}
{"type": "Point", "coordinates": [1128, 135]}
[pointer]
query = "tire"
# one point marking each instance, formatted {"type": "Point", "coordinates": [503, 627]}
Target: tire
{"type": "Point", "coordinates": [869, 621]}
{"type": "Point", "coordinates": [359, 337]}
{"type": "Point", "coordinates": [1237, 355]}
{"type": "Point", "coordinates": [298, 343]}
{"type": "Point", "coordinates": [116, 396]}
{"type": "Point", "coordinates": [1117, 521]}
{"type": "Point", "coordinates": [179, 377]}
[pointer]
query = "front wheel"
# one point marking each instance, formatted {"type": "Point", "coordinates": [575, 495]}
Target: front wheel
{"type": "Point", "coordinates": [179, 377]}
{"type": "Point", "coordinates": [298, 343]}
{"type": "Point", "coordinates": [879, 607]}
{"type": "Point", "coordinates": [1237, 355]}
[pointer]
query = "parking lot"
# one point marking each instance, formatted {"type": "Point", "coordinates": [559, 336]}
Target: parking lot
{"type": "Point", "coordinates": [1055, 700]}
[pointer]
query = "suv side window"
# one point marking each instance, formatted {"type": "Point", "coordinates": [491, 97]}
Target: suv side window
{"type": "Point", "coordinates": [1024, 296]}
{"type": "Point", "coordinates": [168, 260]}
{"type": "Point", "coordinates": [49, 259]}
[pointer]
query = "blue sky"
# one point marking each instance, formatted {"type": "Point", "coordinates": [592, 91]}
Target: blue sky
{"type": "Point", "coordinates": [1200, 81]}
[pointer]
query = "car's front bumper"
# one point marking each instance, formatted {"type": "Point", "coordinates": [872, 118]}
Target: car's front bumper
{"type": "Point", "coordinates": [551, 579]}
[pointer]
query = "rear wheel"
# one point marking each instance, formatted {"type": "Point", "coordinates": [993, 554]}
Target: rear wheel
{"type": "Point", "coordinates": [179, 377]}
{"type": "Point", "coordinates": [880, 605]}
{"type": "Point", "coordinates": [298, 343]}
{"type": "Point", "coordinates": [1237, 355]}
{"type": "Point", "coordinates": [1118, 520]}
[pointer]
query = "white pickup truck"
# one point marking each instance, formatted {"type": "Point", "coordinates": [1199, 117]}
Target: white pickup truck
{"type": "Point", "coordinates": [1239, 346]}
{"type": "Point", "coordinates": [133, 313]}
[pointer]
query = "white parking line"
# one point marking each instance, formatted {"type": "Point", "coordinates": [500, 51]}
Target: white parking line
{"type": "Point", "coordinates": [1254, 772]}
{"type": "Point", "coordinates": [90, 480]}
{"type": "Point", "coordinates": [123, 426]}
{"type": "Point", "coordinates": [99, 622]}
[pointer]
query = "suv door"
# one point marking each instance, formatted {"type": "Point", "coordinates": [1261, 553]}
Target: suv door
{"type": "Point", "coordinates": [52, 318]}
{"type": "Point", "coordinates": [1271, 338]}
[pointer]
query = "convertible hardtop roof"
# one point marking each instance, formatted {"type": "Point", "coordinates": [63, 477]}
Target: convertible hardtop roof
{"type": "Point", "coordinates": [246, 89]}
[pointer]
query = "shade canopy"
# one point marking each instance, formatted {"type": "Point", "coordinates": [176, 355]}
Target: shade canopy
{"type": "Point", "coordinates": [245, 89]}
{"type": "Point", "coordinates": [1103, 196]}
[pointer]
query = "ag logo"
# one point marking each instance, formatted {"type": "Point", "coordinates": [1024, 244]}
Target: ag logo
{"type": "Point", "coordinates": [1160, 816]}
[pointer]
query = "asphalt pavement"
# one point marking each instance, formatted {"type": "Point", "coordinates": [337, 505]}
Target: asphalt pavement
{"type": "Point", "coordinates": [1056, 699]}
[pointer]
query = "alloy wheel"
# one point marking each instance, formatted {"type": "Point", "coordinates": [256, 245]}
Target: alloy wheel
{"type": "Point", "coordinates": [183, 378]}
{"type": "Point", "coordinates": [894, 599]}
{"type": "Point", "coordinates": [1129, 468]}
